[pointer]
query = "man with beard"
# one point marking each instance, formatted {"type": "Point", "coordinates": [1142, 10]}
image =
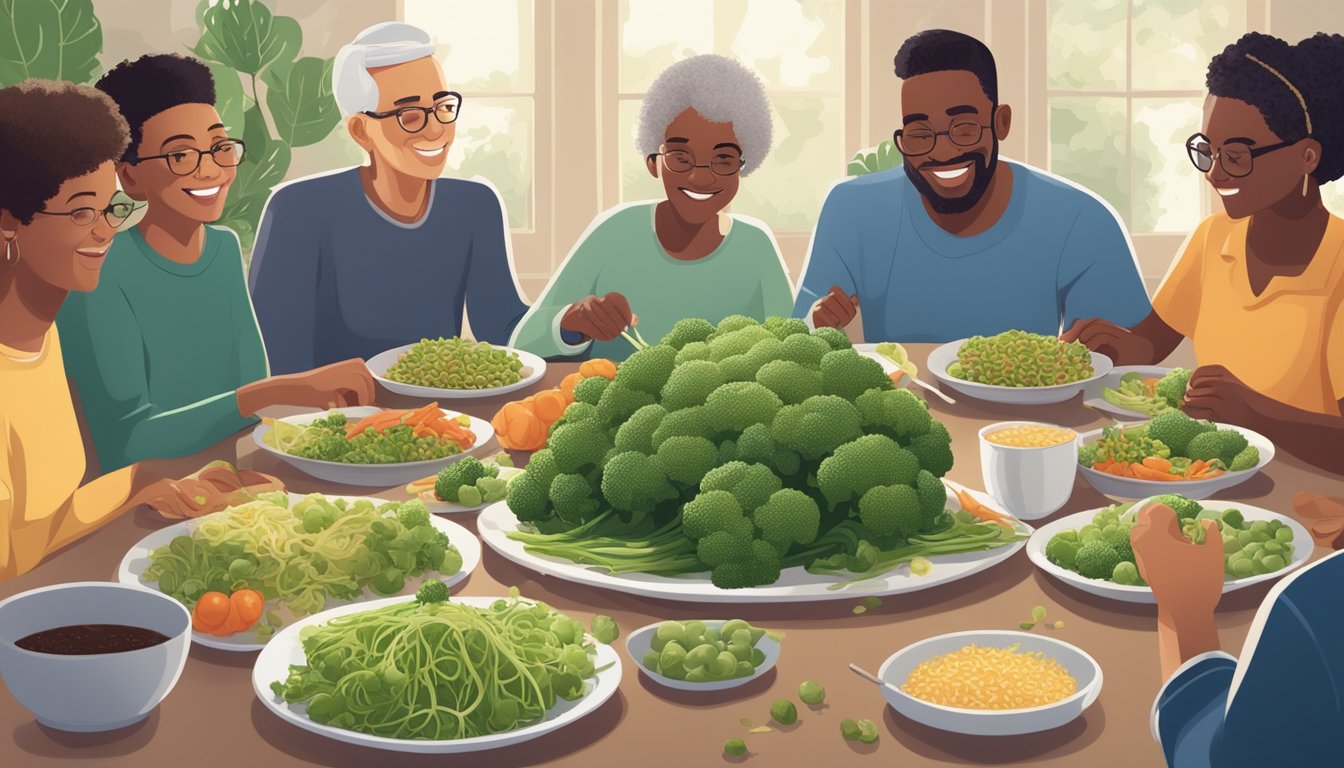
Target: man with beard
{"type": "Point", "coordinates": [960, 242]}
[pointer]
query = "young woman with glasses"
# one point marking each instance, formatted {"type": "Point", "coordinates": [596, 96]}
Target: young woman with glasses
{"type": "Point", "coordinates": [705, 124]}
{"type": "Point", "coordinates": [1259, 288]}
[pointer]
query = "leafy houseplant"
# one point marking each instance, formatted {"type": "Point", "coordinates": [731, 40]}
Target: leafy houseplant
{"type": "Point", "coordinates": [51, 39]}
{"type": "Point", "coordinates": [879, 158]}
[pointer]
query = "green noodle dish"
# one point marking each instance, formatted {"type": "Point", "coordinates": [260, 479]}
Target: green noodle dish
{"type": "Point", "coordinates": [434, 669]}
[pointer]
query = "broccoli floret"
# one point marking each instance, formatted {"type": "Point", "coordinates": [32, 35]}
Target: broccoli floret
{"type": "Point", "coordinates": [686, 459]}
{"type": "Point", "coordinates": [590, 390]}
{"type": "Point", "coordinates": [791, 381]}
{"type": "Point", "coordinates": [933, 450]}
{"type": "Point", "coordinates": [834, 338]}
{"type": "Point", "coordinates": [721, 547]}
{"type": "Point", "coordinates": [891, 509]}
{"type": "Point", "coordinates": [737, 342]}
{"type": "Point", "coordinates": [1097, 559]}
{"type": "Point", "coordinates": [647, 370]}
{"type": "Point", "coordinates": [1172, 387]}
{"type": "Point", "coordinates": [788, 517]}
{"type": "Point", "coordinates": [619, 401]}
{"type": "Point", "coordinates": [529, 492]}
{"type": "Point", "coordinates": [733, 323]}
{"type": "Point", "coordinates": [413, 513]}
{"type": "Point", "coordinates": [1185, 509]}
{"type": "Point", "coordinates": [1175, 430]}
{"type": "Point", "coordinates": [636, 434]}
{"type": "Point", "coordinates": [1118, 537]}
{"type": "Point", "coordinates": [465, 471]}
{"type": "Point", "coordinates": [578, 445]}
{"type": "Point", "coordinates": [690, 383]}
{"type": "Point", "coordinates": [762, 567]}
{"type": "Point", "coordinates": [1087, 455]}
{"type": "Point", "coordinates": [696, 350]}
{"type": "Point", "coordinates": [1233, 518]}
{"type": "Point", "coordinates": [739, 404]}
{"type": "Point", "coordinates": [1223, 444]}
{"type": "Point", "coordinates": [896, 413]}
{"type": "Point", "coordinates": [1062, 550]}
{"type": "Point", "coordinates": [690, 422]}
{"type": "Point", "coordinates": [572, 498]}
{"type": "Point", "coordinates": [865, 463]}
{"type": "Point", "coordinates": [714, 510]}
{"type": "Point", "coordinates": [784, 327]}
{"type": "Point", "coordinates": [687, 330]}
{"type": "Point", "coordinates": [432, 591]}
{"type": "Point", "coordinates": [817, 426]}
{"type": "Point", "coordinates": [634, 482]}
{"type": "Point", "coordinates": [848, 374]}
{"type": "Point", "coordinates": [807, 351]}
{"type": "Point", "coordinates": [574, 413]}
{"type": "Point", "coordinates": [932, 499]}
{"type": "Point", "coordinates": [1247, 459]}
{"type": "Point", "coordinates": [756, 446]}
{"type": "Point", "coordinates": [1127, 573]}
{"type": "Point", "coordinates": [751, 484]}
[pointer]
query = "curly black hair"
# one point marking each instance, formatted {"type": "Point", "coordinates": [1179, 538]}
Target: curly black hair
{"type": "Point", "coordinates": [151, 84]}
{"type": "Point", "coordinates": [1313, 66]}
{"type": "Point", "coordinates": [51, 132]}
{"type": "Point", "coordinates": [940, 50]}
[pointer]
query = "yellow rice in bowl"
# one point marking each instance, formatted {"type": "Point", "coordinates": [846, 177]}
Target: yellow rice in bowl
{"type": "Point", "coordinates": [990, 678]}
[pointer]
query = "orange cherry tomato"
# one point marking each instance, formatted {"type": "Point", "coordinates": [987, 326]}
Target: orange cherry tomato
{"type": "Point", "coordinates": [212, 610]}
{"type": "Point", "coordinates": [250, 605]}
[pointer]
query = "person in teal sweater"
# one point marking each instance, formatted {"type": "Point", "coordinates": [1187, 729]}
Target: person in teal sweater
{"type": "Point", "coordinates": [165, 355]}
{"type": "Point", "coordinates": [704, 124]}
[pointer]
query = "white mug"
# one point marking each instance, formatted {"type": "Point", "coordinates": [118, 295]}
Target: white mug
{"type": "Point", "coordinates": [1030, 483]}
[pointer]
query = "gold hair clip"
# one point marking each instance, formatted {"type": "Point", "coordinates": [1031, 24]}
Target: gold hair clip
{"type": "Point", "coordinates": [1291, 87]}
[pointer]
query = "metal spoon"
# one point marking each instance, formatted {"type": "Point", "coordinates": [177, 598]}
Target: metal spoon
{"type": "Point", "coordinates": [861, 672]}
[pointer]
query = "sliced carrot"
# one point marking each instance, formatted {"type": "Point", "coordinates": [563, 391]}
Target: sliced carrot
{"type": "Point", "coordinates": [896, 376]}
{"type": "Point", "coordinates": [1158, 463]}
{"type": "Point", "coordinates": [1144, 472]}
{"type": "Point", "coordinates": [979, 510]}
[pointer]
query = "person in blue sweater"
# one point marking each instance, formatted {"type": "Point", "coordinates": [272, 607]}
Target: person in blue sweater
{"type": "Point", "coordinates": [959, 242]}
{"type": "Point", "coordinates": [355, 262]}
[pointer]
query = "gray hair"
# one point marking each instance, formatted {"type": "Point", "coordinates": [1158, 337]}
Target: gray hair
{"type": "Point", "coordinates": [722, 91]}
{"type": "Point", "coordinates": [382, 45]}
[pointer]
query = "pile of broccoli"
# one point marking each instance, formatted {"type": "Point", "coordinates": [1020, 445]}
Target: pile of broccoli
{"type": "Point", "coordinates": [736, 448]}
{"type": "Point", "coordinates": [1174, 435]}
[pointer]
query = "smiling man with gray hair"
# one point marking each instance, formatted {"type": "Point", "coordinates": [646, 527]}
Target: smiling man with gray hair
{"type": "Point", "coordinates": [705, 124]}
{"type": "Point", "coordinates": [361, 260]}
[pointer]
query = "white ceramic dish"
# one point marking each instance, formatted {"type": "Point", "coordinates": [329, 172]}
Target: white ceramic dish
{"type": "Point", "coordinates": [945, 355]}
{"type": "Point", "coordinates": [379, 475]}
{"type": "Point", "coordinates": [1092, 395]}
{"type": "Point", "coordinates": [1030, 483]}
{"type": "Point", "coordinates": [437, 507]}
{"type": "Point", "coordinates": [996, 722]}
{"type": "Point", "coordinates": [640, 642]}
{"type": "Point", "coordinates": [1302, 549]}
{"type": "Point", "coordinates": [286, 649]}
{"type": "Point", "coordinates": [1134, 488]}
{"type": "Point", "coordinates": [381, 362]}
{"type": "Point", "coordinates": [133, 566]}
{"type": "Point", "coordinates": [795, 585]}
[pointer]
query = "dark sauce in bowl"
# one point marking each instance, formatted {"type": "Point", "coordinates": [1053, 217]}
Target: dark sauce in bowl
{"type": "Point", "coordinates": [89, 639]}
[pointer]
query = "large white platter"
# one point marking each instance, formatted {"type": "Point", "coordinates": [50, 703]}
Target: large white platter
{"type": "Point", "coordinates": [1136, 488]}
{"type": "Point", "coordinates": [1302, 549]}
{"type": "Point", "coordinates": [795, 585]}
{"type": "Point", "coordinates": [137, 560]}
{"type": "Point", "coordinates": [285, 649]}
{"type": "Point", "coordinates": [1093, 396]}
{"type": "Point", "coordinates": [946, 355]}
{"type": "Point", "coordinates": [381, 362]}
{"type": "Point", "coordinates": [379, 475]}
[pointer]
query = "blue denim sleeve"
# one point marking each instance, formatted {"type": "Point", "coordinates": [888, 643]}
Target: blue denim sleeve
{"type": "Point", "coordinates": [1188, 715]}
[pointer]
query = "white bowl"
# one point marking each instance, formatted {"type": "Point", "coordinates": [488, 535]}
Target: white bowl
{"type": "Point", "coordinates": [379, 475]}
{"type": "Point", "coordinates": [946, 355]}
{"type": "Point", "coordinates": [640, 642]}
{"type": "Point", "coordinates": [381, 362]}
{"type": "Point", "coordinates": [1111, 381]}
{"type": "Point", "coordinates": [1134, 488]}
{"type": "Point", "coordinates": [991, 722]}
{"type": "Point", "coordinates": [1030, 483]}
{"type": "Point", "coordinates": [95, 692]}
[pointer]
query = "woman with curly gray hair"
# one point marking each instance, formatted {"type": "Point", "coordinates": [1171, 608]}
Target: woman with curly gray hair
{"type": "Point", "coordinates": [704, 125]}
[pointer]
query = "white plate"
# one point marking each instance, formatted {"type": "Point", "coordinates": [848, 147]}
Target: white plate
{"type": "Point", "coordinates": [379, 475]}
{"type": "Point", "coordinates": [437, 507]}
{"type": "Point", "coordinates": [640, 642]}
{"type": "Point", "coordinates": [381, 362]}
{"type": "Point", "coordinates": [285, 649]}
{"type": "Point", "coordinates": [1134, 488]}
{"type": "Point", "coordinates": [135, 562]}
{"type": "Point", "coordinates": [991, 722]}
{"type": "Point", "coordinates": [946, 355]}
{"type": "Point", "coordinates": [1093, 397]}
{"type": "Point", "coordinates": [1302, 549]}
{"type": "Point", "coordinates": [795, 585]}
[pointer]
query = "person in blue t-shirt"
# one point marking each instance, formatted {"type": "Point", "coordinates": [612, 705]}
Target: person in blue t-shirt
{"type": "Point", "coordinates": [959, 242]}
{"type": "Point", "coordinates": [1282, 702]}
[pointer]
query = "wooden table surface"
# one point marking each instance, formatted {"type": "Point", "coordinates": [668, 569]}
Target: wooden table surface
{"type": "Point", "coordinates": [213, 718]}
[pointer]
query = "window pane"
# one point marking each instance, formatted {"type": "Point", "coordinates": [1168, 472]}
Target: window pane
{"type": "Point", "coordinates": [1087, 146]}
{"type": "Point", "coordinates": [494, 141]}
{"type": "Point", "coordinates": [636, 183]}
{"type": "Point", "coordinates": [654, 35]}
{"type": "Point", "coordinates": [483, 46]}
{"type": "Point", "coordinates": [1333, 196]}
{"type": "Point", "coordinates": [1166, 185]}
{"type": "Point", "coordinates": [1085, 44]}
{"type": "Point", "coordinates": [1174, 40]}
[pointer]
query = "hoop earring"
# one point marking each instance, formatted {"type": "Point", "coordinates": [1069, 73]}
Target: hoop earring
{"type": "Point", "coordinates": [1305, 176]}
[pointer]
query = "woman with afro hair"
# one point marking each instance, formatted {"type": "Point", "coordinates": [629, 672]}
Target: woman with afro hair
{"type": "Point", "coordinates": [1259, 288]}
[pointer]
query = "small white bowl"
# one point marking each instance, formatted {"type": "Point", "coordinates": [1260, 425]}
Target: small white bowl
{"type": "Point", "coordinates": [1030, 483]}
{"type": "Point", "coordinates": [640, 642]}
{"type": "Point", "coordinates": [944, 356]}
{"type": "Point", "coordinates": [991, 722]}
{"type": "Point", "coordinates": [95, 692]}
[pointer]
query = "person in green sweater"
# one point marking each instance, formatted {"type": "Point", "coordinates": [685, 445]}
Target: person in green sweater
{"type": "Point", "coordinates": [705, 124]}
{"type": "Point", "coordinates": [165, 356]}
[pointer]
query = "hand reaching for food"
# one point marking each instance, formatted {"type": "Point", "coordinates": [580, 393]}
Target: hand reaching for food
{"type": "Point", "coordinates": [1186, 578]}
{"type": "Point", "coordinates": [215, 487]}
{"type": "Point", "coordinates": [834, 310]}
{"type": "Point", "coordinates": [599, 317]}
{"type": "Point", "coordinates": [337, 385]}
{"type": "Point", "coordinates": [1104, 337]}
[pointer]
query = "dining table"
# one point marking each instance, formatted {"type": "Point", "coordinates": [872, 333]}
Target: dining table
{"type": "Point", "coordinates": [214, 718]}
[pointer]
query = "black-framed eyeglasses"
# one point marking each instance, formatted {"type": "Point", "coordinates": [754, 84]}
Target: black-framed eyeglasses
{"type": "Point", "coordinates": [116, 214]}
{"type": "Point", "coordinates": [184, 162]}
{"type": "Point", "coordinates": [919, 138]}
{"type": "Point", "coordinates": [681, 161]}
{"type": "Point", "coordinates": [414, 119]}
{"type": "Point", "coordinates": [1236, 158]}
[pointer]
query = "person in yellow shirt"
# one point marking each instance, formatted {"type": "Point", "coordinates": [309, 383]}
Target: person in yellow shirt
{"type": "Point", "coordinates": [1259, 289]}
{"type": "Point", "coordinates": [59, 208]}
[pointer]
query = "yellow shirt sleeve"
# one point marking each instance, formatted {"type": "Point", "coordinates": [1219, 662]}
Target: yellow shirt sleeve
{"type": "Point", "coordinates": [1177, 298]}
{"type": "Point", "coordinates": [93, 505]}
{"type": "Point", "coordinates": [1334, 350]}
{"type": "Point", "coordinates": [6, 504]}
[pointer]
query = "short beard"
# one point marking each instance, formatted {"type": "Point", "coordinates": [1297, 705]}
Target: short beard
{"type": "Point", "coordinates": [983, 175]}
